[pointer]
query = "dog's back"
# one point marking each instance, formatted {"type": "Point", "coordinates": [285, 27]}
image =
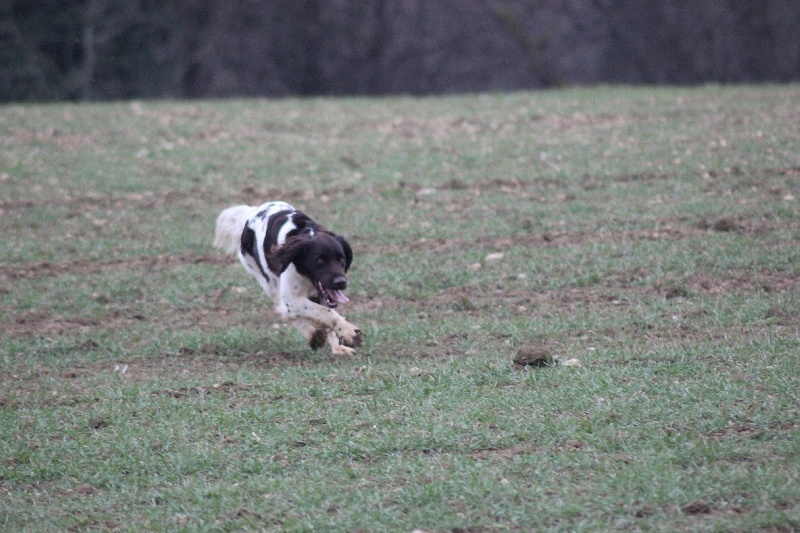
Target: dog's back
{"type": "Point", "coordinates": [230, 224]}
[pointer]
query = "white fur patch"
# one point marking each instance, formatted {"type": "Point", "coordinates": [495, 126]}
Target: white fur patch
{"type": "Point", "coordinates": [287, 227]}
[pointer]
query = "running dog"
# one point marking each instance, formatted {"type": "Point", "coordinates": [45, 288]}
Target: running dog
{"type": "Point", "coordinates": [299, 264]}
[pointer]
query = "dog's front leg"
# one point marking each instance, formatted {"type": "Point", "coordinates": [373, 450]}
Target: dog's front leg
{"type": "Point", "coordinates": [340, 349]}
{"type": "Point", "coordinates": [341, 334]}
{"type": "Point", "coordinates": [317, 335]}
{"type": "Point", "coordinates": [299, 307]}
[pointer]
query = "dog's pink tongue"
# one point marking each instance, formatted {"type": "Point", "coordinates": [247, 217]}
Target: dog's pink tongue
{"type": "Point", "coordinates": [338, 296]}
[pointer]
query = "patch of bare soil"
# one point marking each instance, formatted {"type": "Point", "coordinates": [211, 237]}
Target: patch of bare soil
{"type": "Point", "coordinates": [668, 230]}
{"type": "Point", "coordinates": [551, 239]}
{"type": "Point", "coordinates": [581, 120]}
{"type": "Point", "coordinates": [743, 282]}
{"type": "Point", "coordinates": [223, 389]}
{"type": "Point", "coordinates": [213, 311]}
{"type": "Point", "coordinates": [746, 431]}
{"type": "Point", "coordinates": [544, 188]}
{"type": "Point", "coordinates": [240, 513]}
{"type": "Point", "coordinates": [195, 200]}
{"type": "Point", "coordinates": [445, 126]}
{"type": "Point", "coordinates": [750, 431]}
{"type": "Point", "coordinates": [504, 454]}
{"type": "Point", "coordinates": [40, 323]}
{"type": "Point", "coordinates": [216, 312]}
{"type": "Point", "coordinates": [51, 135]}
{"type": "Point", "coordinates": [475, 298]}
{"type": "Point", "coordinates": [84, 489]}
{"type": "Point", "coordinates": [42, 269]}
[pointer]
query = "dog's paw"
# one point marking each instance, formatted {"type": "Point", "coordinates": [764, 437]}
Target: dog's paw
{"type": "Point", "coordinates": [355, 340]}
{"type": "Point", "coordinates": [343, 350]}
{"type": "Point", "coordinates": [317, 339]}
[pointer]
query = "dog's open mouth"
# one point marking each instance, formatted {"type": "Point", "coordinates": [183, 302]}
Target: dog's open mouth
{"type": "Point", "coordinates": [331, 297]}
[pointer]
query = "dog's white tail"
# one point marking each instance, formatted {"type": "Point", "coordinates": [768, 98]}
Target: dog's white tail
{"type": "Point", "coordinates": [230, 225]}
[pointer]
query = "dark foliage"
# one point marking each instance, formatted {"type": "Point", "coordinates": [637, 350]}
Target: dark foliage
{"type": "Point", "coordinates": [103, 49]}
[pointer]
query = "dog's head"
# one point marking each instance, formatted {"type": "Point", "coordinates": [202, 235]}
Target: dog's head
{"type": "Point", "coordinates": [323, 258]}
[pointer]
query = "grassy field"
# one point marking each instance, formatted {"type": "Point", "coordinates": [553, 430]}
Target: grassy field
{"type": "Point", "coordinates": [651, 234]}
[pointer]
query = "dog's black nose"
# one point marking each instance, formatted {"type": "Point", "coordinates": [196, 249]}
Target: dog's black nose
{"type": "Point", "coordinates": [340, 283]}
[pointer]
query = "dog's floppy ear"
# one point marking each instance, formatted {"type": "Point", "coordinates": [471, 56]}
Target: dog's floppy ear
{"type": "Point", "coordinates": [280, 257]}
{"type": "Point", "coordinates": [348, 252]}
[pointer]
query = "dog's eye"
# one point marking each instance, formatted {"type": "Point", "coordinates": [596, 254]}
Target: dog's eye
{"type": "Point", "coordinates": [320, 261]}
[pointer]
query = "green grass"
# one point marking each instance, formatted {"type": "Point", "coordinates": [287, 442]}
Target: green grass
{"type": "Point", "coordinates": [651, 234]}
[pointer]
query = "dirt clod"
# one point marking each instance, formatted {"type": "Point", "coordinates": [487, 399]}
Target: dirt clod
{"type": "Point", "coordinates": [696, 507]}
{"type": "Point", "coordinates": [774, 312]}
{"type": "Point", "coordinates": [676, 291]}
{"type": "Point", "coordinates": [98, 423]}
{"type": "Point", "coordinates": [725, 224]}
{"type": "Point", "coordinates": [533, 355]}
{"type": "Point", "coordinates": [644, 511]}
{"type": "Point", "coordinates": [84, 489]}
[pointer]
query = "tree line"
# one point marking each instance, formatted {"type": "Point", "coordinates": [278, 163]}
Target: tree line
{"type": "Point", "coordinates": [86, 50]}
